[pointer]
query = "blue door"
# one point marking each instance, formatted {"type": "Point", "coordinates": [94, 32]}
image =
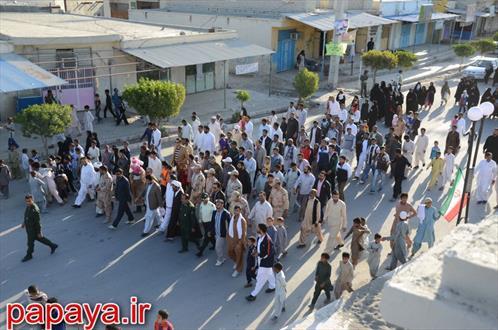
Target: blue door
{"type": "Point", "coordinates": [406, 30]}
{"type": "Point", "coordinates": [420, 33]}
{"type": "Point", "coordinates": [284, 58]}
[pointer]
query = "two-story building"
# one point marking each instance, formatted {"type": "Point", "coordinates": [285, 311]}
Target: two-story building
{"type": "Point", "coordinates": [93, 53]}
{"type": "Point", "coordinates": [418, 23]}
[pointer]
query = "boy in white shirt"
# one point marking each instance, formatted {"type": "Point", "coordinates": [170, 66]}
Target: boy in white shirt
{"type": "Point", "coordinates": [280, 291]}
{"type": "Point", "coordinates": [374, 250]}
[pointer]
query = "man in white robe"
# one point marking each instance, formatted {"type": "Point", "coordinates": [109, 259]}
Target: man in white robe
{"type": "Point", "coordinates": [207, 141]}
{"type": "Point", "coordinates": [156, 141]}
{"type": "Point", "coordinates": [168, 205]}
{"type": "Point", "coordinates": [88, 119]}
{"type": "Point", "coordinates": [196, 122]}
{"type": "Point", "coordinates": [421, 146]}
{"type": "Point", "coordinates": [214, 127]}
{"type": "Point", "coordinates": [86, 181]}
{"type": "Point", "coordinates": [486, 176]}
{"type": "Point", "coordinates": [449, 165]}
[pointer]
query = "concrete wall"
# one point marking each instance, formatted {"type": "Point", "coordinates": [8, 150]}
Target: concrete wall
{"type": "Point", "coordinates": [394, 8]}
{"type": "Point", "coordinates": [178, 75]}
{"type": "Point", "coordinates": [239, 7]}
{"type": "Point", "coordinates": [481, 5]}
{"type": "Point", "coordinates": [365, 5]}
{"type": "Point", "coordinates": [253, 30]}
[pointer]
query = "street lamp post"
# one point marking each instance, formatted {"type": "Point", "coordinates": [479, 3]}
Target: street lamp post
{"type": "Point", "coordinates": [474, 114]}
{"type": "Point", "coordinates": [487, 109]}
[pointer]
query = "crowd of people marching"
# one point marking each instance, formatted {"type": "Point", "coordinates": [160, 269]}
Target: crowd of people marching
{"type": "Point", "coordinates": [234, 189]}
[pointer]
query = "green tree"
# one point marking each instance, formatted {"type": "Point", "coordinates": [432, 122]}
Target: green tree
{"type": "Point", "coordinates": [45, 120]}
{"type": "Point", "coordinates": [406, 59]}
{"type": "Point", "coordinates": [463, 51]}
{"type": "Point", "coordinates": [306, 83]}
{"type": "Point", "coordinates": [379, 60]}
{"type": "Point", "coordinates": [495, 36]}
{"type": "Point", "coordinates": [484, 45]}
{"type": "Point", "coordinates": [157, 99]}
{"type": "Point", "coordinates": [243, 96]}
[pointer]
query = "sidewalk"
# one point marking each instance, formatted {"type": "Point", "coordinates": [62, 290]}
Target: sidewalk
{"type": "Point", "coordinates": [206, 104]}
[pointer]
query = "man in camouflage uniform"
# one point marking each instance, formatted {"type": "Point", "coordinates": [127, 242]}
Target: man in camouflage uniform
{"type": "Point", "coordinates": [104, 194]}
{"type": "Point", "coordinates": [279, 200]}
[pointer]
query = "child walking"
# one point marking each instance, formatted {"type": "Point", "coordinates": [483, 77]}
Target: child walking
{"type": "Point", "coordinates": [281, 238]}
{"type": "Point", "coordinates": [374, 251]}
{"type": "Point", "coordinates": [280, 291]}
{"type": "Point", "coordinates": [251, 261]}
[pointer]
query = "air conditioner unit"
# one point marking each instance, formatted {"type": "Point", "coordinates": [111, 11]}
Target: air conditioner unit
{"type": "Point", "coordinates": [294, 36]}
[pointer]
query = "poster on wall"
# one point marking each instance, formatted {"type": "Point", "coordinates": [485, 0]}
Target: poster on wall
{"type": "Point", "coordinates": [246, 68]}
{"type": "Point", "coordinates": [425, 13]}
{"type": "Point", "coordinates": [341, 27]}
{"type": "Point", "coordinates": [470, 13]}
{"type": "Point", "coordinates": [335, 48]}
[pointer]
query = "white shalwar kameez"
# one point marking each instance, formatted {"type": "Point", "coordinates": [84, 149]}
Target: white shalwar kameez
{"type": "Point", "coordinates": [362, 159]}
{"type": "Point", "coordinates": [280, 294]}
{"type": "Point", "coordinates": [86, 182]}
{"type": "Point", "coordinates": [156, 141]}
{"type": "Point", "coordinates": [150, 215]}
{"type": "Point", "coordinates": [486, 174]}
{"type": "Point", "coordinates": [168, 198]}
{"type": "Point", "coordinates": [449, 165]}
{"type": "Point", "coordinates": [421, 146]}
{"type": "Point", "coordinates": [88, 119]}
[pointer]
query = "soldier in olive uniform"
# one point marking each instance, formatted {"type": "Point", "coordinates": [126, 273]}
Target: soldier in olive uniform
{"type": "Point", "coordinates": [188, 223]}
{"type": "Point", "coordinates": [33, 228]}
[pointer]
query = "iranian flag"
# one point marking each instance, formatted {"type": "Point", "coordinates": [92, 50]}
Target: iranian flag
{"type": "Point", "coordinates": [451, 205]}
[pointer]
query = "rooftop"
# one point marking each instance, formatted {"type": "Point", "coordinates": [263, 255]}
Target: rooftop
{"type": "Point", "coordinates": [52, 26]}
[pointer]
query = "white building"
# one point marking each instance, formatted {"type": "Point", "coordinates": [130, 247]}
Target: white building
{"type": "Point", "coordinates": [93, 54]}
{"type": "Point", "coordinates": [285, 27]}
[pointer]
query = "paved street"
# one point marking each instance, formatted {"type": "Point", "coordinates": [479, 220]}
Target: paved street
{"type": "Point", "coordinates": [94, 264]}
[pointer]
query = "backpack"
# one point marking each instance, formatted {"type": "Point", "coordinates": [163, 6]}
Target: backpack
{"type": "Point", "coordinates": [382, 163]}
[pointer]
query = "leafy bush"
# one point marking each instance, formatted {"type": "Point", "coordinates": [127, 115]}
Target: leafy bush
{"type": "Point", "coordinates": [155, 98]}
{"type": "Point", "coordinates": [463, 51]}
{"type": "Point", "coordinates": [484, 45]}
{"type": "Point", "coordinates": [406, 59]}
{"type": "Point", "coordinates": [379, 60]}
{"type": "Point", "coordinates": [306, 83]}
{"type": "Point", "coordinates": [45, 120]}
{"type": "Point", "coordinates": [243, 96]}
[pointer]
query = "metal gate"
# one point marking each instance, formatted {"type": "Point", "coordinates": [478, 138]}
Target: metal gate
{"type": "Point", "coordinates": [284, 58]}
{"type": "Point", "coordinates": [406, 30]}
{"type": "Point", "coordinates": [80, 88]}
{"type": "Point", "coordinates": [420, 33]}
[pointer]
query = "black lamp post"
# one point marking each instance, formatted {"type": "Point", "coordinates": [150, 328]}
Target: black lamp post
{"type": "Point", "coordinates": [475, 114]}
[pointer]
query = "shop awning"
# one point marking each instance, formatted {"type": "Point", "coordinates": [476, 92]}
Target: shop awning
{"type": "Point", "coordinates": [415, 17]}
{"type": "Point", "coordinates": [177, 55]}
{"type": "Point", "coordinates": [18, 74]}
{"type": "Point", "coordinates": [324, 21]}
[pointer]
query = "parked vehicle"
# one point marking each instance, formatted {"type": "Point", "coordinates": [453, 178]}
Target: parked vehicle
{"type": "Point", "coordinates": [478, 68]}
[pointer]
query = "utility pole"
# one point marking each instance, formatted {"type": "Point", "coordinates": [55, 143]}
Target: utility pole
{"type": "Point", "coordinates": [334, 60]}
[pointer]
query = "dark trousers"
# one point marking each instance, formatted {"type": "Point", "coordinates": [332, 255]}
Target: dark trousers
{"type": "Point", "coordinates": [108, 107]}
{"type": "Point", "coordinates": [31, 243]}
{"type": "Point", "coordinates": [250, 274]}
{"type": "Point", "coordinates": [331, 179]}
{"type": "Point", "coordinates": [206, 239]}
{"type": "Point", "coordinates": [397, 186]}
{"type": "Point", "coordinates": [122, 208]}
{"type": "Point", "coordinates": [363, 90]}
{"type": "Point", "coordinates": [340, 189]}
{"type": "Point", "coordinates": [187, 237]}
{"type": "Point", "coordinates": [318, 290]}
{"type": "Point", "coordinates": [4, 189]}
{"type": "Point", "coordinates": [122, 117]}
{"type": "Point", "coordinates": [97, 114]}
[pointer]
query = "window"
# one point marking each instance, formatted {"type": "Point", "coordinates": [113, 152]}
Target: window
{"type": "Point", "coordinates": [199, 77]}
